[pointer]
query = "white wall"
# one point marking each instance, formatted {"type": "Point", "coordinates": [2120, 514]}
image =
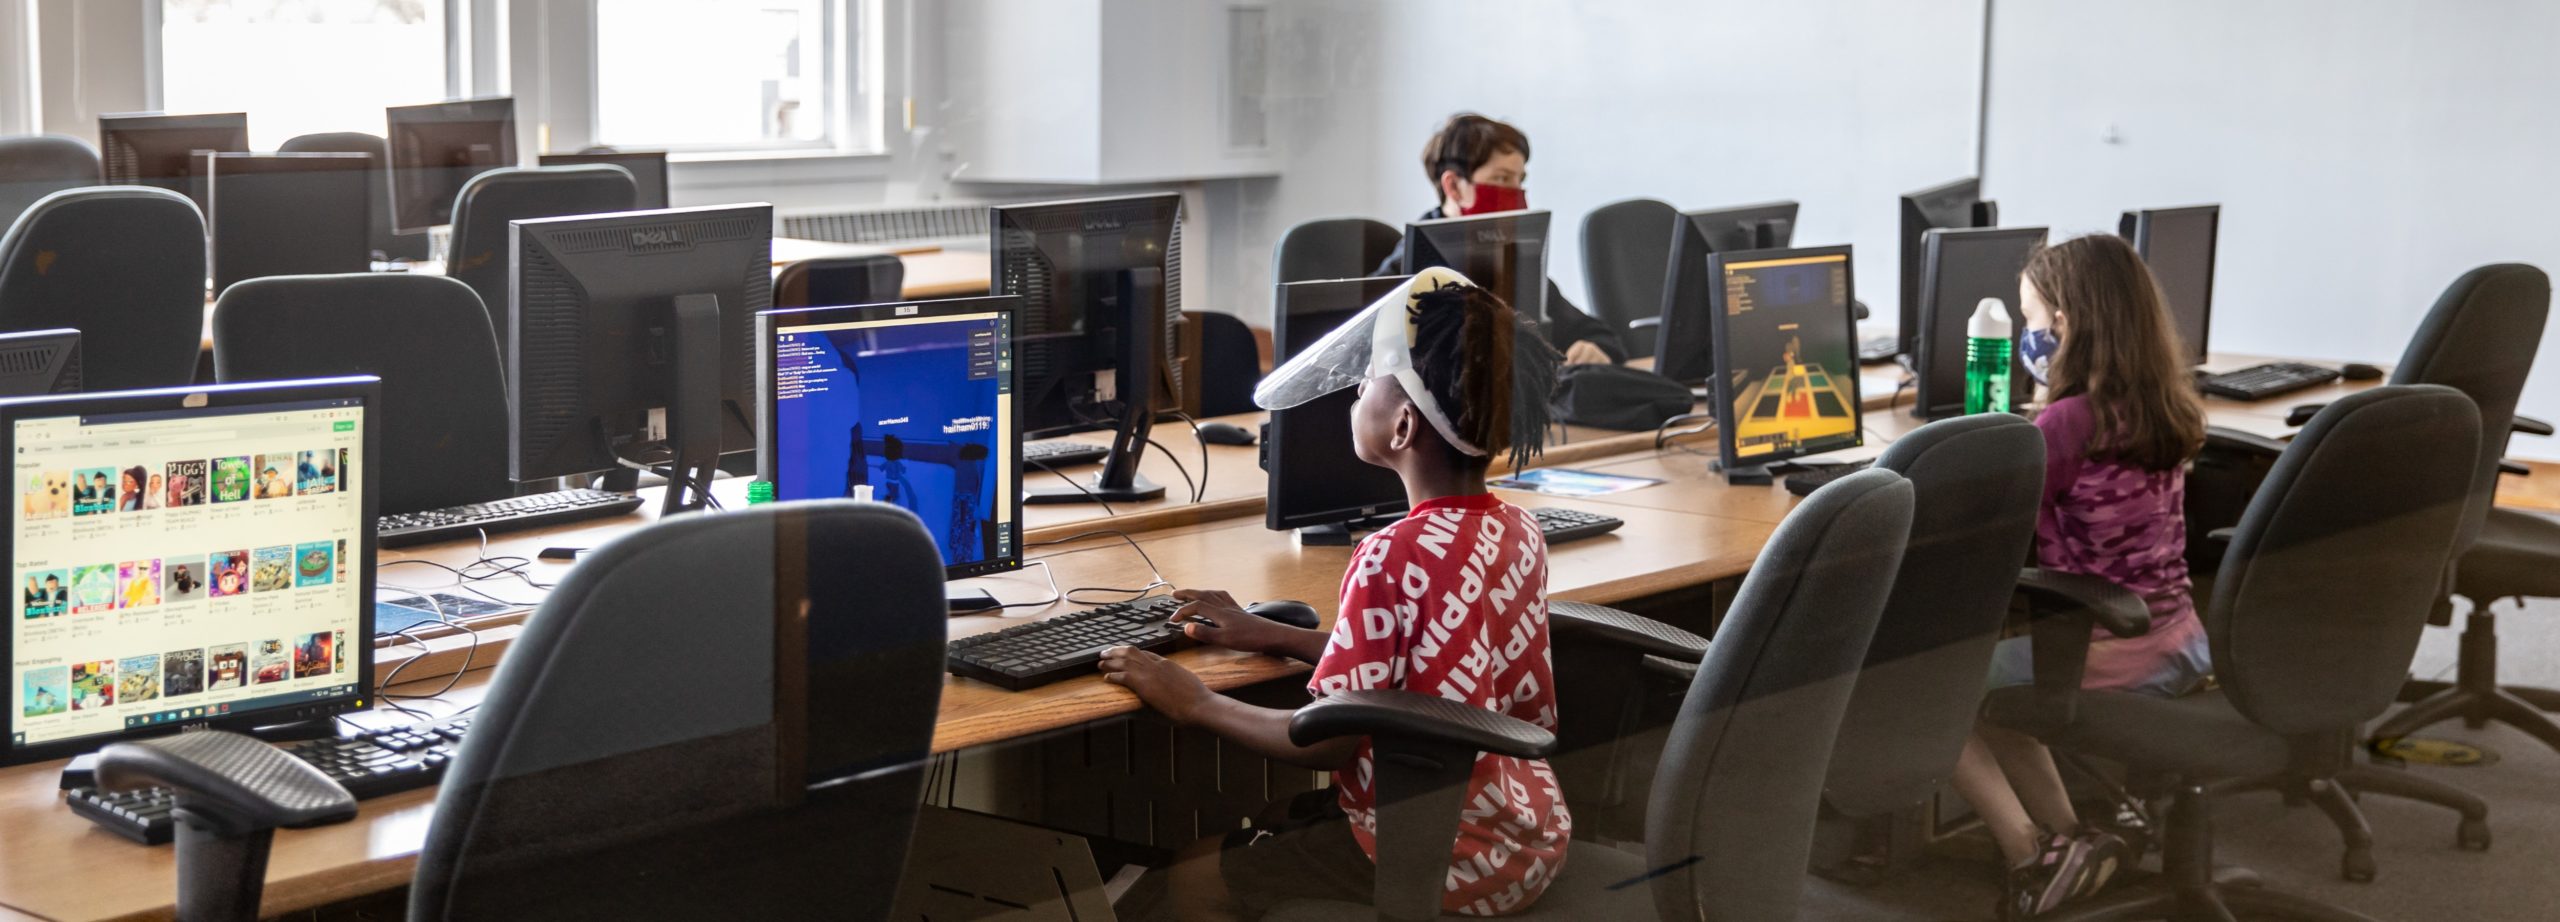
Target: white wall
{"type": "Point", "coordinates": [2365, 152]}
{"type": "Point", "coordinates": [1839, 104]}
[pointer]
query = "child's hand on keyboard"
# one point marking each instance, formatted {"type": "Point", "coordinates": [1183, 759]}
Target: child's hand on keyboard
{"type": "Point", "coordinates": [1161, 683]}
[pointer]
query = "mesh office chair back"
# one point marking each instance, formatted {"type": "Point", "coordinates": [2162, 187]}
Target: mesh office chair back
{"type": "Point", "coordinates": [2480, 339]}
{"type": "Point", "coordinates": [1333, 248]}
{"type": "Point", "coordinates": [841, 280]}
{"type": "Point", "coordinates": [2330, 575]}
{"type": "Point", "coordinates": [444, 398]}
{"type": "Point", "coordinates": [1730, 828]}
{"type": "Point", "coordinates": [1626, 259]}
{"type": "Point", "coordinates": [1976, 482]}
{"type": "Point", "coordinates": [125, 266]}
{"type": "Point", "coordinates": [719, 717]}
{"type": "Point", "coordinates": [35, 166]}
{"type": "Point", "coordinates": [478, 254]}
{"type": "Point", "coordinates": [384, 240]}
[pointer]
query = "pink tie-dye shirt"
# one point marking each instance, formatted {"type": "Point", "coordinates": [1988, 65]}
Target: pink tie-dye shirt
{"type": "Point", "coordinates": [2120, 522]}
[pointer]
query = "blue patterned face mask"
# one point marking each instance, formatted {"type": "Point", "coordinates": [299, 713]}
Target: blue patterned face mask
{"type": "Point", "coordinates": [2038, 347]}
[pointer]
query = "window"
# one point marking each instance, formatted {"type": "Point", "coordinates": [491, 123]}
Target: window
{"type": "Point", "coordinates": [301, 66]}
{"type": "Point", "coordinates": [721, 74]}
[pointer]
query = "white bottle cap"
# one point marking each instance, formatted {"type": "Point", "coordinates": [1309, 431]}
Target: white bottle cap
{"type": "Point", "coordinates": [1990, 320]}
{"type": "Point", "coordinates": [862, 492]}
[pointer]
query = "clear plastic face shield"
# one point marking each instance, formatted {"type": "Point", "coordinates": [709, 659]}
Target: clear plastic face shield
{"type": "Point", "coordinates": [1378, 342]}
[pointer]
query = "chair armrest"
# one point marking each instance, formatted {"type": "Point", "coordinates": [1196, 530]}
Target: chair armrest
{"type": "Point", "coordinates": [1585, 621]}
{"type": "Point", "coordinates": [1415, 716]}
{"type": "Point", "coordinates": [2303, 414]}
{"type": "Point", "coordinates": [2506, 466]}
{"type": "Point", "coordinates": [2102, 602]}
{"type": "Point", "coordinates": [2530, 426]}
{"type": "Point", "coordinates": [1645, 323]}
{"type": "Point", "coordinates": [1681, 670]}
{"type": "Point", "coordinates": [228, 783]}
{"type": "Point", "coordinates": [2234, 440]}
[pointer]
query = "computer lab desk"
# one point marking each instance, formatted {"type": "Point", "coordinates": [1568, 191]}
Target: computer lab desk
{"type": "Point", "coordinates": [1691, 530]}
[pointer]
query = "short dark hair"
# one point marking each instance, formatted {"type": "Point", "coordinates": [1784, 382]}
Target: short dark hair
{"type": "Point", "coordinates": [1466, 143]}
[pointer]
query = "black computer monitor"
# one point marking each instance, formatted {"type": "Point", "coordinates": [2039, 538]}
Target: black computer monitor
{"type": "Point", "coordinates": [288, 214]}
{"type": "Point", "coordinates": [1959, 268]}
{"type": "Point", "coordinates": [2178, 245]}
{"type": "Point", "coordinates": [1681, 349]}
{"type": "Point", "coordinates": [437, 147]}
{"type": "Point", "coordinates": [1786, 348]}
{"type": "Point", "coordinates": [1101, 287]}
{"type": "Point", "coordinates": [1317, 485]}
{"type": "Point", "coordinates": [910, 404]}
{"type": "Point", "coordinates": [188, 557]}
{"type": "Point", "coordinates": [1504, 253]}
{"type": "Point", "coordinates": [631, 342]}
{"type": "Point", "coordinates": [38, 362]}
{"type": "Point", "coordinates": [151, 149]}
{"type": "Point", "coordinates": [1956, 204]}
{"type": "Point", "coordinates": [648, 171]}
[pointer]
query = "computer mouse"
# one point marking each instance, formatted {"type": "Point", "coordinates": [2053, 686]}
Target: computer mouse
{"type": "Point", "coordinates": [1293, 614]}
{"type": "Point", "coordinates": [1225, 434]}
{"type": "Point", "coordinates": [2359, 371]}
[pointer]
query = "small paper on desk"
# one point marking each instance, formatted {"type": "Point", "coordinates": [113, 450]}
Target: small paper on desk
{"type": "Point", "coordinates": [1557, 481]}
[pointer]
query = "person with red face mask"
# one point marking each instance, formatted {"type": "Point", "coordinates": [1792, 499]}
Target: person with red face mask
{"type": "Point", "coordinates": [1478, 166]}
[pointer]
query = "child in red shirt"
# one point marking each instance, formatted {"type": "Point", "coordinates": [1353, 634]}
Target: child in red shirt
{"type": "Point", "coordinates": [1449, 601]}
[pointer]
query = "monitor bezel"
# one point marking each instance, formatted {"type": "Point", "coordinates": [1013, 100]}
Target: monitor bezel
{"type": "Point", "coordinates": [1722, 385]}
{"type": "Point", "coordinates": [1279, 515]}
{"type": "Point", "coordinates": [1923, 360]}
{"type": "Point", "coordinates": [770, 323]}
{"type": "Point", "coordinates": [366, 390]}
{"type": "Point", "coordinates": [448, 112]}
{"type": "Point", "coordinates": [2136, 226]}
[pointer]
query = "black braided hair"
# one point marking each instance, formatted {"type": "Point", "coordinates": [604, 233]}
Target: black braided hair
{"type": "Point", "coordinates": [1490, 372]}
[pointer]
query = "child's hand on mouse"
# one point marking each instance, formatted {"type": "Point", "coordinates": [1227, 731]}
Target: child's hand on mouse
{"type": "Point", "coordinates": [1212, 617]}
{"type": "Point", "coordinates": [1162, 683]}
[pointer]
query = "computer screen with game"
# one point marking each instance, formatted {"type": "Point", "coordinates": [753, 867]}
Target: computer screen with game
{"type": "Point", "coordinates": [1101, 287]}
{"type": "Point", "coordinates": [1504, 253]}
{"type": "Point", "coordinates": [1318, 486]}
{"type": "Point", "coordinates": [1955, 204]}
{"type": "Point", "coordinates": [186, 557]}
{"type": "Point", "coordinates": [2178, 245]}
{"type": "Point", "coordinates": [1961, 267]}
{"type": "Point", "coordinates": [1786, 381]}
{"type": "Point", "coordinates": [151, 149]}
{"type": "Point", "coordinates": [437, 147]}
{"type": "Point", "coordinates": [1681, 351]}
{"type": "Point", "coordinates": [906, 404]}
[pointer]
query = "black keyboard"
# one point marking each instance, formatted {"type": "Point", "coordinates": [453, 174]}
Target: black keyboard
{"type": "Point", "coordinates": [1562, 525]}
{"type": "Point", "coordinates": [2259, 382]}
{"type": "Point", "coordinates": [368, 765]}
{"type": "Point", "coordinates": [1063, 453]}
{"type": "Point", "coordinates": [512, 514]}
{"type": "Point", "coordinates": [1064, 647]}
{"type": "Point", "coordinates": [1878, 350]}
{"type": "Point", "coordinates": [1804, 482]}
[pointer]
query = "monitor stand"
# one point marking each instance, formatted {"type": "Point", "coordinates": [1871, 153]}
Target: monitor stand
{"type": "Point", "coordinates": [693, 412]}
{"type": "Point", "coordinates": [968, 601]}
{"type": "Point", "coordinates": [1747, 475]}
{"type": "Point", "coordinates": [1339, 534]}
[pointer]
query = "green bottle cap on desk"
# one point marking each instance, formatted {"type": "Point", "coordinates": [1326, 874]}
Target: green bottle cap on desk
{"type": "Point", "coordinates": [759, 492]}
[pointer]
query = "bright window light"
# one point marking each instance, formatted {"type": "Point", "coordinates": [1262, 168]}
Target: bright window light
{"type": "Point", "coordinates": [301, 66]}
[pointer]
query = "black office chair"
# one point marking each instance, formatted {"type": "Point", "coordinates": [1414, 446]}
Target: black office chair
{"type": "Point", "coordinates": [386, 242]}
{"type": "Point", "coordinates": [2320, 599]}
{"type": "Point", "coordinates": [1626, 259]}
{"type": "Point", "coordinates": [841, 280]}
{"type": "Point", "coordinates": [35, 166]}
{"type": "Point", "coordinates": [122, 264]}
{"type": "Point", "coordinates": [427, 337]}
{"type": "Point", "coordinates": [1730, 820]}
{"type": "Point", "coordinates": [1230, 364]}
{"type": "Point", "coordinates": [478, 255]}
{"type": "Point", "coordinates": [1333, 248]}
{"type": "Point", "coordinates": [718, 717]}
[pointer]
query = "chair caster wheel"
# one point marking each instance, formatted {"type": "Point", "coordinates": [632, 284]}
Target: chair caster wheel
{"type": "Point", "coordinates": [2357, 866]}
{"type": "Point", "coordinates": [2472, 835]}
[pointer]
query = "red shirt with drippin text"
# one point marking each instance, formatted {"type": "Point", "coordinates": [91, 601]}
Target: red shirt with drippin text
{"type": "Point", "coordinates": [1452, 601]}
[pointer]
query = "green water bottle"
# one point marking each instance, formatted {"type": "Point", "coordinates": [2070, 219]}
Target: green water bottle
{"type": "Point", "coordinates": [1986, 358]}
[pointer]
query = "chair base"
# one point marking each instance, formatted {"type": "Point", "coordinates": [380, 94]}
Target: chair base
{"type": "Point", "coordinates": [2475, 695]}
{"type": "Point", "coordinates": [2336, 796]}
{"type": "Point", "coordinates": [2190, 889]}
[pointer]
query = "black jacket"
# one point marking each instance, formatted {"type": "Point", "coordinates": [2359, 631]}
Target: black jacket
{"type": "Point", "coordinates": [1565, 323]}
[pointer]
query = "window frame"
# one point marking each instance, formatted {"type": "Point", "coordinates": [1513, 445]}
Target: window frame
{"type": "Point", "coordinates": [563, 91]}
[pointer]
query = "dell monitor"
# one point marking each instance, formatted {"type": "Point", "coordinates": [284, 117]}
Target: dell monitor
{"type": "Point", "coordinates": [1959, 268]}
{"type": "Point", "coordinates": [1101, 288]}
{"type": "Point", "coordinates": [1681, 350]}
{"type": "Point", "coordinates": [1786, 372]}
{"type": "Point", "coordinates": [150, 149]}
{"type": "Point", "coordinates": [188, 557]}
{"type": "Point", "coordinates": [1317, 484]}
{"type": "Point", "coordinates": [39, 362]}
{"type": "Point", "coordinates": [1955, 204]}
{"type": "Point", "coordinates": [1504, 253]}
{"type": "Point", "coordinates": [2178, 245]}
{"type": "Point", "coordinates": [288, 214]}
{"type": "Point", "coordinates": [648, 171]}
{"type": "Point", "coordinates": [908, 404]}
{"type": "Point", "coordinates": [630, 343]}
{"type": "Point", "coordinates": [435, 148]}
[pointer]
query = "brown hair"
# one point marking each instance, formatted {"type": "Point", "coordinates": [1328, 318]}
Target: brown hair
{"type": "Point", "coordinates": [1462, 351]}
{"type": "Point", "coordinates": [1465, 144]}
{"type": "Point", "coordinates": [2119, 352]}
